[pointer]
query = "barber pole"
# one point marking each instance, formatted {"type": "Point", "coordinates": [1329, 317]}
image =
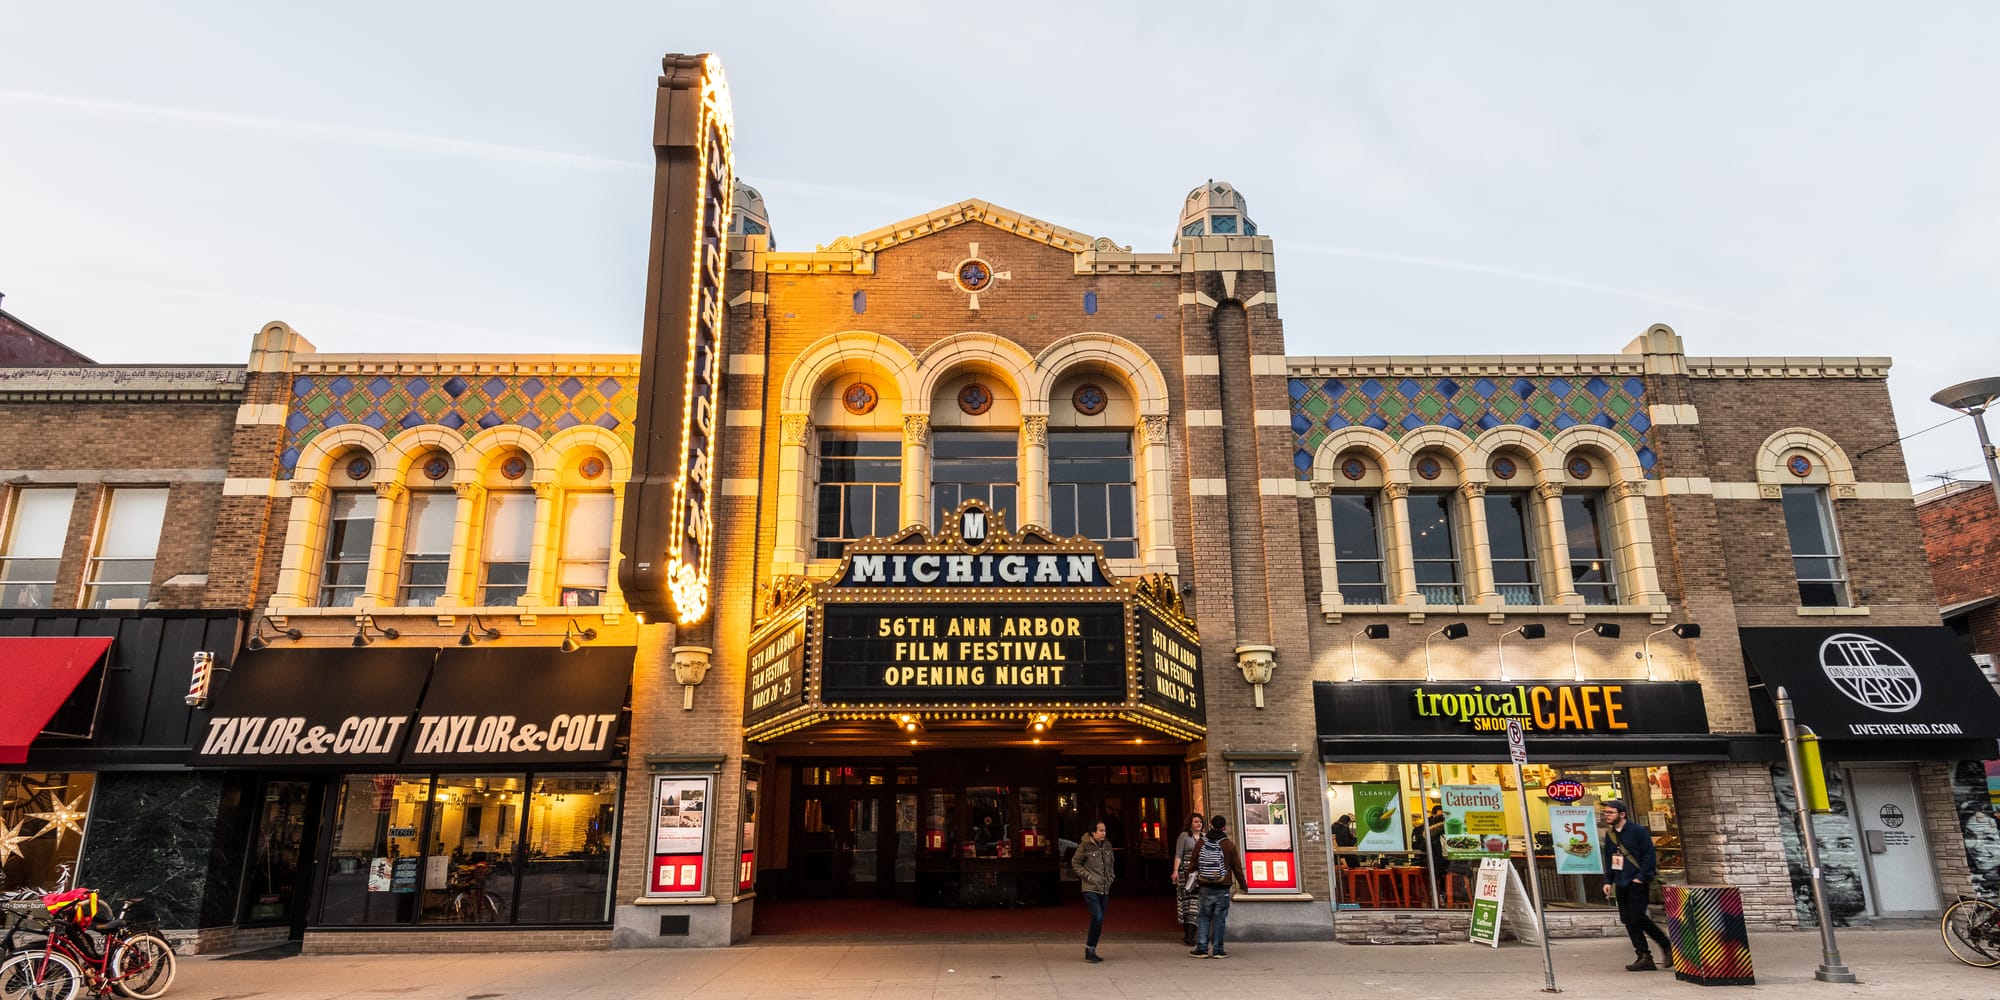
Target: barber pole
{"type": "Point", "coordinates": [204, 668]}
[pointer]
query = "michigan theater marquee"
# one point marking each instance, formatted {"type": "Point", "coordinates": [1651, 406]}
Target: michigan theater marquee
{"type": "Point", "coordinates": [974, 622]}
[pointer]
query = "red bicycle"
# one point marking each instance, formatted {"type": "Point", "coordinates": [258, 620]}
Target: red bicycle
{"type": "Point", "coordinates": [72, 944]}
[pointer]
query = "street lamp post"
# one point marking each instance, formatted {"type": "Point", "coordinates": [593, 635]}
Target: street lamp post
{"type": "Point", "coordinates": [1974, 398]}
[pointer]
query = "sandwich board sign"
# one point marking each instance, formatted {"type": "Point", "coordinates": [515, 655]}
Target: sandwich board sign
{"type": "Point", "coordinates": [1492, 902]}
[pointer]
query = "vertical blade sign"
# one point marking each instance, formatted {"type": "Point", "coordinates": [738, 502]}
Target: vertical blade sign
{"type": "Point", "coordinates": [668, 535]}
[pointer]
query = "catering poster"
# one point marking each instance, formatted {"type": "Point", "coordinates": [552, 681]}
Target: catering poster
{"type": "Point", "coordinates": [680, 835]}
{"type": "Point", "coordinates": [1575, 831]}
{"type": "Point", "coordinates": [1474, 824]}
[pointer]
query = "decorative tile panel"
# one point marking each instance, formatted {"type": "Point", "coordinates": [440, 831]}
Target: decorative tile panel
{"type": "Point", "coordinates": [1399, 405]}
{"type": "Point", "coordinates": [543, 402]}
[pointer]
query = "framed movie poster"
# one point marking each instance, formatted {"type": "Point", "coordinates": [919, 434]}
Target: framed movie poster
{"type": "Point", "coordinates": [746, 847]}
{"type": "Point", "coordinates": [681, 806]}
{"type": "Point", "coordinates": [1265, 806]}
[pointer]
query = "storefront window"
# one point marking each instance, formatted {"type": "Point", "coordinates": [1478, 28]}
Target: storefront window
{"type": "Point", "coordinates": [1410, 836]}
{"type": "Point", "coordinates": [566, 871]}
{"type": "Point", "coordinates": [503, 849]}
{"type": "Point", "coordinates": [42, 816]}
{"type": "Point", "coordinates": [271, 881]}
{"type": "Point", "coordinates": [374, 866]}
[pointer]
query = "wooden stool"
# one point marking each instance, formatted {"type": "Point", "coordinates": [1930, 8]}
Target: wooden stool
{"type": "Point", "coordinates": [1452, 882]}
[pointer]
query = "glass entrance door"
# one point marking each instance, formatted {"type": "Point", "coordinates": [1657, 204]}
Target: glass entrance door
{"type": "Point", "coordinates": [845, 836]}
{"type": "Point", "coordinates": [279, 862]}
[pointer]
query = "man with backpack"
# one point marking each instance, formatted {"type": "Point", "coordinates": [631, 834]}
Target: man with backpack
{"type": "Point", "coordinates": [1217, 863]}
{"type": "Point", "coordinates": [1630, 865]}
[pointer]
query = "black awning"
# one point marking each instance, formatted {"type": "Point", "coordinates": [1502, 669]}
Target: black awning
{"type": "Point", "coordinates": [1876, 683]}
{"type": "Point", "coordinates": [523, 706]}
{"type": "Point", "coordinates": [332, 707]}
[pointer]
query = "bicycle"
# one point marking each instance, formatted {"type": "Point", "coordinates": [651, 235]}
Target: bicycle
{"type": "Point", "coordinates": [471, 903]}
{"type": "Point", "coordinates": [1971, 930]}
{"type": "Point", "coordinates": [80, 947]}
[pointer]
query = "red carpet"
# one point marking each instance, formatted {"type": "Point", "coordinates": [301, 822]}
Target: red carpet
{"type": "Point", "coordinates": [1132, 915]}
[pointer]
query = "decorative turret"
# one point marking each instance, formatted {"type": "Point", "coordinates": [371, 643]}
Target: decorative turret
{"type": "Point", "coordinates": [747, 216]}
{"type": "Point", "coordinates": [1215, 209]}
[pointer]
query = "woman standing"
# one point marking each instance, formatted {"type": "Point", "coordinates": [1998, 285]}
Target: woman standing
{"type": "Point", "coordinates": [1187, 902]}
{"type": "Point", "coordinates": [1094, 866]}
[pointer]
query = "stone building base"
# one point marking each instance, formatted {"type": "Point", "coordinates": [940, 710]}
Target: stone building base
{"type": "Point", "coordinates": [216, 940]}
{"type": "Point", "coordinates": [1732, 834]}
{"type": "Point", "coordinates": [1294, 919]}
{"type": "Point", "coordinates": [1453, 926]}
{"type": "Point", "coordinates": [417, 941]}
{"type": "Point", "coordinates": [690, 924]}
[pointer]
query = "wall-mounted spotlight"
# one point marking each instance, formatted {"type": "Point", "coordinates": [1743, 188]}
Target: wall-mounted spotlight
{"type": "Point", "coordinates": [1685, 630]}
{"type": "Point", "coordinates": [1040, 723]}
{"type": "Point", "coordinates": [1603, 630]}
{"type": "Point", "coordinates": [571, 634]}
{"type": "Point", "coordinates": [485, 631]}
{"type": "Point", "coordinates": [909, 724]}
{"type": "Point", "coordinates": [1452, 632]}
{"type": "Point", "coordinates": [1354, 641]}
{"type": "Point", "coordinates": [257, 640]}
{"type": "Point", "coordinates": [361, 627]}
{"type": "Point", "coordinates": [1531, 631]}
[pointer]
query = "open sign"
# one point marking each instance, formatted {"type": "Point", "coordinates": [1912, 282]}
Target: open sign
{"type": "Point", "coordinates": [1565, 790]}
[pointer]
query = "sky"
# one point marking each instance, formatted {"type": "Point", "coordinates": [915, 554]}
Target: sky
{"type": "Point", "coordinates": [1773, 179]}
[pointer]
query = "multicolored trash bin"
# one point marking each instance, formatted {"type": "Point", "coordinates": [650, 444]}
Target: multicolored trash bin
{"type": "Point", "coordinates": [1711, 945]}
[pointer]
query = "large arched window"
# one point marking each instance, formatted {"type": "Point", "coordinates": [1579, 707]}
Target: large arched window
{"type": "Point", "coordinates": [589, 508]}
{"type": "Point", "coordinates": [507, 531]}
{"type": "Point", "coordinates": [429, 516]}
{"type": "Point", "coordinates": [1092, 470]}
{"type": "Point", "coordinates": [350, 530]}
{"type": "Point", "coordinates": [975, 445]}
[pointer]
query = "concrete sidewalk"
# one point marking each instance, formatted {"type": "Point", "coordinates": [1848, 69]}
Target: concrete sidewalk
{"type": "Point", "coordinates": [1891, 963]}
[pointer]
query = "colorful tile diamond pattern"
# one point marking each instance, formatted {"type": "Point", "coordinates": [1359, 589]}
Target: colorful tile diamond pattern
{"type": "Point", "coordinates": [392, 403]}
{"type": "Point", "coordinates": [1321, 406]}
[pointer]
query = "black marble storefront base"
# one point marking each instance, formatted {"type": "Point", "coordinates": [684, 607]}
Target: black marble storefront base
{"type": "Point", "coordinates": [175, 837]}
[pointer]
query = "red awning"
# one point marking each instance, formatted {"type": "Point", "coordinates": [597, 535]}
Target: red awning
{"type": "Point", "coordinates": [38, 673]}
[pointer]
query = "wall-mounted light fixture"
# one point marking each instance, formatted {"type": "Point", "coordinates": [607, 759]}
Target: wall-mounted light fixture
{"type": "Point", "coordinates": [1603, 630]}
{"type": "Point", "coordinates": [1257, 663]}
{"type": "Point", "coordinates": [1452, 633]}
{"type": "Point", "coordinates": [571, 635]}
{"type": "Point", "coordinates": [910, 725]}
{"type": "Point", "coordinates": [1040, 723]}
{"type": "Point", "coordinates": [364, 623]}
{"type": "Point", "coordinates": [484, 630]}
{"type": "Point", "coordinates": [690, 668]}
{"type": "Point", "coordinates": [1526, 632]}
{"type": "Point", "coordinates": [1685, 630]}
{"type": "Point", "coordinates": [257, 640]}
{"type": "Point", "coordinates": [1354, 641]}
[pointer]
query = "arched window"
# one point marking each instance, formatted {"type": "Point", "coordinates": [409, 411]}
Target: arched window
{"type": "Point", "coordinates": [1092, 465]}
{"type": "Point", "coordinates": [1588, 526]}
{"type": "Point", "coordinates": [1437, 534]}
{"type": "Point", "coordinates": [583, 567]}
{"type": "Point", "coordinates": [975, 446]}
{"type": "Point", "coordinates": [1360, 570]}
{"type": "Point", "coordinates": [507, 531]}
{"type": "Point", "coordinates": [350, 531]}
{"type": "Point", "coordinates": [428, 520]}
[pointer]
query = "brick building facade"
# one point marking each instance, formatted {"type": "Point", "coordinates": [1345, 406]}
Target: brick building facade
{"type": "Point", "coordinates": [1205, 576]}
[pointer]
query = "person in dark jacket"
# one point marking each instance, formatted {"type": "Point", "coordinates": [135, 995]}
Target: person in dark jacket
{"type": "Point", "coordinates": [1094, 866]}
{"type": "Point", "coordinates": [1630, 866]}
{"type": "Point", "coordinates": [1217, 863]}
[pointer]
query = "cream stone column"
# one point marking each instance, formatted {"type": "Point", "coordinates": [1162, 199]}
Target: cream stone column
{"type": "Point", "coordinates": [384, 549]}
{"type": "Point", "coordinates": [1639, 576]}
{"type": "Point", "coordinates": [1478, 550]}
{"type": "Point", "coordinates": [1557, 587]}
{"type": "Point", "coordinates": [614, 597]}
{"type": "Point", "coordinates": [1396, 545]}
{"type": "Point", "coordinates": [542, 555]}
{"type": "Point", "coordinates": [1156, 491]}
{"type": "Point", "coordinates": [458, 574]}
{"type": "Point", "coordinates": [917, 469]}
{"type": "Point", "coordinates": [790, 555]}
{"type": "Point", "coordinates": [1034, 472]}
{"type": "Point", "coordinates": [298, 571]}
{"type": "Point", "coordinates": [1329, 555]}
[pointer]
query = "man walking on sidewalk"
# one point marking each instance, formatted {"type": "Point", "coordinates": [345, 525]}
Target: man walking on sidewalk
{"type": "Point", "coordinates": [1217, 862]}
{"type": "Point", "coordinates": [1629, 869]}
{"type": "Point", "coordinates": [1095, 868]}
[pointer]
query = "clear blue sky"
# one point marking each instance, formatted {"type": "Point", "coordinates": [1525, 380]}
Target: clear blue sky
{"type": "Point", "coordinates": [1773, 179]}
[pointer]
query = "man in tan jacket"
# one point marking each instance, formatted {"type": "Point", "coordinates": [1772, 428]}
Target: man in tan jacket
{"type": "Point", "coordinates": [1094, 866]}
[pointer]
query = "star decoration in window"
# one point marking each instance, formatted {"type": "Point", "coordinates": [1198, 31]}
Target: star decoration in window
{"type": "Point", "coordinates": [64, 817]}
